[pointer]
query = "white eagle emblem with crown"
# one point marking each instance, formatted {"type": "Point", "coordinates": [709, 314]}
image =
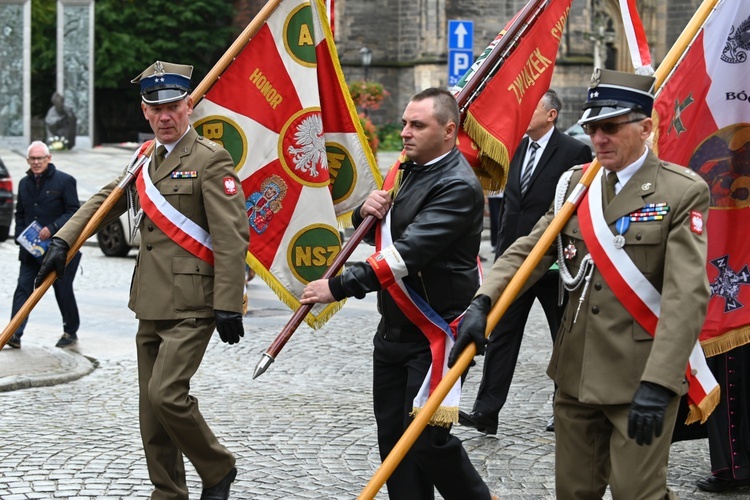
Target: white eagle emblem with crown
{"type": "Point", "coordinates": [311, 153]}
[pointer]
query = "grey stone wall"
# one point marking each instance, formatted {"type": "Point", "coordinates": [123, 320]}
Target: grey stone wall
{"type": "Point", "coordinates": [679, 13]}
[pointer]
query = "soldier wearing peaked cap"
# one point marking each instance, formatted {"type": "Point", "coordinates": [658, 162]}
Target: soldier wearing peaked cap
{"type": "Point", "coordinates": [188, 280]}
{"type": "Point", "coordinates": [637, 238]}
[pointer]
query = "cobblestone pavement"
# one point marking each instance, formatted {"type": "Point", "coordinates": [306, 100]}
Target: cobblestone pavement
{"type": "Point", "coordinates": [302, 430]}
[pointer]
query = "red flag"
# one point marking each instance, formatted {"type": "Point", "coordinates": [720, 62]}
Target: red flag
{"type": "Point", "coordinates": [703, 121]}
{"type": "Point", "coordinates": [284, 113]}
{"type": "Point", "coordinates": [497, 120]}
{"type": "Point", "coordinates": [635, 34]}
{"type": "Point", "coordinates": [330, 11]}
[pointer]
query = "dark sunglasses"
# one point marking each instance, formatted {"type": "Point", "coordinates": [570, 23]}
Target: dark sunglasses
{"type": "Point", "coordinates": [609, 128]}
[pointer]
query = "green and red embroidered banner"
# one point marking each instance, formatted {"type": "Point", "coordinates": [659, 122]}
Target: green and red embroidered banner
{"type": "Point", "coordinates": [496, 121]}
{"type": "Point", "coordinates": [283, 111]}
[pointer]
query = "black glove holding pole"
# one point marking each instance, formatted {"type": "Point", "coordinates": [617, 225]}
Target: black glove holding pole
{"type": "Point", "coordinates": [54, 260]}
{"type": "Point", "coordinates": [471, 328]}
{"type": "Point", "coordinates": [229, 326]}
{"type": "Point", "coordinates": [646, 418]}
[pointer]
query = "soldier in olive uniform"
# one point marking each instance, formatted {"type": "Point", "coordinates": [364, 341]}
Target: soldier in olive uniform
{"type": "Point", "coordinates": [188, 280]}
{"type": "Point", "coordinates": [637, 239]}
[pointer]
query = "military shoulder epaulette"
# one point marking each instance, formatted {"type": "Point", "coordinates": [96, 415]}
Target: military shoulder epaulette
{"type": "Point", "coordinates": [679, 169]}
{"type": "Point", "coordinates": [208, 143]}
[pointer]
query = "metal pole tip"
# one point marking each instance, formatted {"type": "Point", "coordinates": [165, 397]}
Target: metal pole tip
{"type": "Point", "coordinates": [262, 366]}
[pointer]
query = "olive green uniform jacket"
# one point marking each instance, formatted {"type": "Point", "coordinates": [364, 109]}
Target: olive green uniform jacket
{"type": "Point", "coordinates": [169, 282]}
{"type": "Point", "coordinates": [601, 356]}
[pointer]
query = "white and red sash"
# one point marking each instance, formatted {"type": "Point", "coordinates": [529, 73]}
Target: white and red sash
{"type": "Point", "coordinates": [174, 224]}
{"type": "Point", "coordinates": [639, 297]}
{"type": "Point", "coordinates": [390, 268]}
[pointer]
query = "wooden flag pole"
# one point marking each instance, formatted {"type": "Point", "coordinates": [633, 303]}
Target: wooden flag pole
{"type": "Point", "coordinates": [511, 291]}
{"type": "Point", "coordinates": [515, 285]}
{"type": "Point", "coordinates": [113, 197]}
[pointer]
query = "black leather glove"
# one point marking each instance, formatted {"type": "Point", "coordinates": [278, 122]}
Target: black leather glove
{"type": "Point", "coordinates": [229, 325]}
{"type": "Point", "coordinates": [54, 260]}
{"type": "Point", "coordinates": [471, 328]}
{"type": "Point", "coordinates": [646, 418]}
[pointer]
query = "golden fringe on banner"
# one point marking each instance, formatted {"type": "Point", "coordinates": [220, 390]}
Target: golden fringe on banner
{"type": "Point", "coordinates": [314, 322]}
{"type": "Point", "coordinates": [701, 413]}
{"type": "Point", "coordinates": [444, 416]}
{"type": "Point", "coordinates": [345, 220]}
{"type": "Point", "coordinates": [494, 157]}
{"type": "Point", "coordinates": [726, 342]}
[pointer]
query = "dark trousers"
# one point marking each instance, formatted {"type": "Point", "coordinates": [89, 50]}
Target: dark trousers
{"type": "Point", "coordinates": [496, 212]}
{"type": "Point", "coordinates": [505, 342]}
{"type": "Point", "coordinates": [66, 299]}
{"type": "Point", "coordinates": [437, 459]}
{"type": "Point", "coordinates": [169, 354]}
{"type": "Point", "coordinates": [728, 426]}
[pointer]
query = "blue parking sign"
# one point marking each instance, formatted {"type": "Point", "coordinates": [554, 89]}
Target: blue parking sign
{"type": "Point", "coordinates": [459, 61]}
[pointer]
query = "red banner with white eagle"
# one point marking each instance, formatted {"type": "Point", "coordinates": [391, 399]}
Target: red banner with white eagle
{"type": "Point", "coordinates": [702, 115]}
{"type": "Point", "coordinates": [283, 111]}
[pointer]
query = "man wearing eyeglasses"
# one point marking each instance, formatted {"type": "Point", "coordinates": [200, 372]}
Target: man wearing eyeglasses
{"type": "Point", "coordinates": [632, 257]}
{"type": "Point", "coordinates": [49, 197]}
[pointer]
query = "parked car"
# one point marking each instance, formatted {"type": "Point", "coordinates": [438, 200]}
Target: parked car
{"type": "Point", "coordinates": [576, 131]}
{"type": "Point", "coordinates": [114, 238]}
{"type": "Point", "coordinates": [6, 202]}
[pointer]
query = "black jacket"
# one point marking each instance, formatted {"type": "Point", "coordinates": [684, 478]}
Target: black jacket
{"type": "Point", "coordinates": [51, 203]}
{"type": "Point", "coordinates": [521, 213]}
{"type": "Point", "coordinates": [436, 226]}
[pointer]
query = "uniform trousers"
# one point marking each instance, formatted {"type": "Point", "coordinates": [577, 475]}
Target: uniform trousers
{"type": "Point", "coordinates": [169, 354]}
{"type": "Point", "coordinates": [437, 459]}
{"type": "Point", "coordinates": [66, 299]}
{"type": "Point", "coordinates": [592, 449]}
{"type": "Point", "coordinates": [505, 342]}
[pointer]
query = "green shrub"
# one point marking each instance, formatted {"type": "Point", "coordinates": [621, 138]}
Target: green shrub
{"type": "Point", "coordinates": [390, 137]}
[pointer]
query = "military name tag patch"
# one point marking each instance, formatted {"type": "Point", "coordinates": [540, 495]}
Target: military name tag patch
{"type": "Point", "coordinates": [230, 187]}
{"type": "Point", "coordinates": [696, 222]}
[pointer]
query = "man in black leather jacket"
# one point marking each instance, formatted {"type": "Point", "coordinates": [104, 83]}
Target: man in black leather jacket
{"type": "Point", "coordinates": [435, 223]}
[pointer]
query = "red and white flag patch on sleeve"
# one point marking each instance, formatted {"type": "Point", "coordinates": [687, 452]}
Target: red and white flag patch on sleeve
{"type": "Point", "coordinates": [230, 186]}
{"type": "Point", "coordinates": [696, 222]}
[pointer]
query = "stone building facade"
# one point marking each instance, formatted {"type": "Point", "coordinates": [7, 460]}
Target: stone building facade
{"type": "Point", "coordinates": [408, 40]}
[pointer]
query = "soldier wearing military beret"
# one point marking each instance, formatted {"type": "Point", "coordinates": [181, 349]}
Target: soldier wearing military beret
{"type": "Point", "coordinates": [188, 280]}
{"type": "Point", "coordinates": [632, 257]}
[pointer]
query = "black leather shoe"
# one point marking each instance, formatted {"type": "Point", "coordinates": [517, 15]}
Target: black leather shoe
{"type": "Point", "coordinates": [221, 490]}
{"type": "Point", "coordinates": [67, 340]}
{"type": "Point", "coordinates": [478, 421]}
{"type": "Point", "coordinates": [550, 424]}
{"type": "Point", "coordinates": [14, 342]}
{"type": "Point", "coordinates": [718, 485]}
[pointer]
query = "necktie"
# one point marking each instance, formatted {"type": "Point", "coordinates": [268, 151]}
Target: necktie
{"type": "Point", "coordinates": [161, 152]}
{"type": "Point", "coordinates": [611, 181]}
{"type": "Point", "coordinates": [529, 168]}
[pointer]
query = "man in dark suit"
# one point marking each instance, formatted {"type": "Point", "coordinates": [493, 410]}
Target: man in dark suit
{"type": "Point", "coordinates": [543, 155]}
